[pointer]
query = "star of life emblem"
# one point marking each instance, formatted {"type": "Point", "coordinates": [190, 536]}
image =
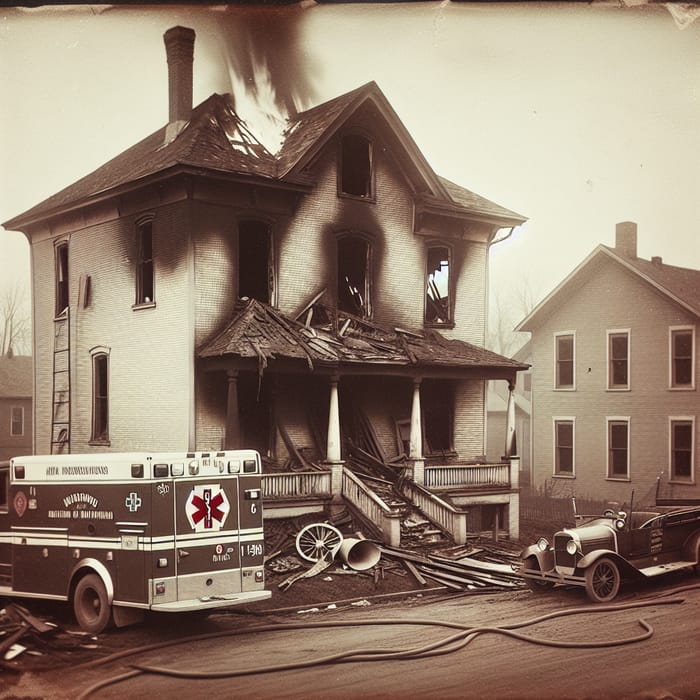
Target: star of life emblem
{"type": "Point", "coordinates": [207, 507]}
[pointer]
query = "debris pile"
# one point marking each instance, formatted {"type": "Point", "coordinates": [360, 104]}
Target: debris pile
{"type": "Point", "coordinates": [28, 641]}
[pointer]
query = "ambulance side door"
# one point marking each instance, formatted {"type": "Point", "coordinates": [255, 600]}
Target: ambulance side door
{"type": "Point", "coordinates": [5, 544]}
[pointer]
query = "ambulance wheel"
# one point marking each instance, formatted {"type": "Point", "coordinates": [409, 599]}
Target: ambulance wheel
{"type": "Point", "coordinates": [91, 605]}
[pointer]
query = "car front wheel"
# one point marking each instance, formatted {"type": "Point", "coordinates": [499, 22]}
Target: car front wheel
{"type": "Point", "coordinates": [602, 580]}
{"type": "Point", "coordinates": [534, 584]}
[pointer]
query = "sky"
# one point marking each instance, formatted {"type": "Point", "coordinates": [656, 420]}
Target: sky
{"type": "Point", "coordinates": [576, 115]}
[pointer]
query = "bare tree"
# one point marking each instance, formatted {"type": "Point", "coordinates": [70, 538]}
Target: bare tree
{"type": "Point", "coordinates": [508, 307]}
{"type": "Point", "coordinates": [15, 321]}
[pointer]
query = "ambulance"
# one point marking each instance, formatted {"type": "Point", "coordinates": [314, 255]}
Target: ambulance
{"type": "Point", "coordinates": [120, 534]}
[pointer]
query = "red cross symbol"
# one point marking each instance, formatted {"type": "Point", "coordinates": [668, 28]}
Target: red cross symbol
{"type": "Point", "coordinates": [207, 507]}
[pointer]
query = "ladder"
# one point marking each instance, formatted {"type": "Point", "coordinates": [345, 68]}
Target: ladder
{"type": "Point", "coordinates": [60, 408]}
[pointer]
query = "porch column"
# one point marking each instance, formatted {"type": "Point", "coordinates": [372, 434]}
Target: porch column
{"type": "Point", "coordinates": [511, 442]}
{"type": "Point", "coordinates": [333, 442]}
{"type": "Point", "coordinates": [415, 441]}
{"type": "Point", "coordinates": [415, 448]}
{"type": "Point", "coordinates": [232, 440]}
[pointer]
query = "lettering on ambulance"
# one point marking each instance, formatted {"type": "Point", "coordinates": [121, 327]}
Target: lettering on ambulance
{"type": "Point", "coordinates": [207, 508]}
{"type": "Point", "coordinates": [80, 506]}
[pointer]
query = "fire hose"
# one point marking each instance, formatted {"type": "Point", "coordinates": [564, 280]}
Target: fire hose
{"type": "Point", "coordinates": [449, 644]}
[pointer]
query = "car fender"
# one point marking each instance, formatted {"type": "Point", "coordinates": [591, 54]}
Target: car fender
{"type": "Point", "coordinates": [589, 559]}
{"type": "Point", "coordinates": [545, 559]}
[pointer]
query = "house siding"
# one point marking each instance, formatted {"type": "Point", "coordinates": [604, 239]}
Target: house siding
{"type": "Point", "coordinates": [612, 298]}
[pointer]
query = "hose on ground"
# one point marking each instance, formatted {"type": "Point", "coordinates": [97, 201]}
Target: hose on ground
{"type": "Point", "coordinates": [449, 644]}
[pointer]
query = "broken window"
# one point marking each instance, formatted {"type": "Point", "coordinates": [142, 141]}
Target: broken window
{"type": "Point", "coordinates": [61, 279]}
{"type": "Point", "coordinates": [353, 275]}
{"type": "Point", "coordinates": [144, 263]}
{"type": "Point", "coordinates": [356, 166]}
{"type": "Point", "coordinates": [100, 397]}
{"type": "Point", "coordinates": [437, 300]}
{"type": "Point", "coordinates": [255, 269]}
{"type": "Point", "coordinates": [437, 402]}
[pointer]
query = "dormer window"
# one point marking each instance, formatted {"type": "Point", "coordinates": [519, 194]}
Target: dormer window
{"type": "Point", "coordinates": [356, 166]}
{"type": "Point", "coordinates": [438, 303]}
{"type": "Point", "coordinates": [354, 275]}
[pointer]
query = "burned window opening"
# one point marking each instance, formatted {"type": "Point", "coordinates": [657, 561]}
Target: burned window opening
{"type": "Point", "coordinates": [437, 301]}
{"type": "Point", "coordinates": [254, 409]}
{"type": "Point", "coordinates": [255, 270]}
{"type": "Point", "coordinates": [61, 279]}
{"type": "Point", "coordinates": [437, 401]}
{"type": "Point", "coordinates": [353, 275]}
{"type": "Point", "coordinates": [144, 264]}
{"type": "Point", "coordinates": [356, 166]}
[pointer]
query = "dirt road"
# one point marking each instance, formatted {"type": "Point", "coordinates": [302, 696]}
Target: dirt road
{"type": "Point", "coordinates": [491, 666]}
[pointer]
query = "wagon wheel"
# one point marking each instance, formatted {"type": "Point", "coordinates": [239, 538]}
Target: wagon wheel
{"type": "Point", "coordinates": [602, 580]}
{"type": "Point", "coordinates": [319, 541]}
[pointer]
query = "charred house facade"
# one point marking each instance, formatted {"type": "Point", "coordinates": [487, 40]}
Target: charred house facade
{"type": "Point", "coordinates": [199, 292]}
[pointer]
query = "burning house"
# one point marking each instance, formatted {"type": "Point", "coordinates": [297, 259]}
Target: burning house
{"type": "Point", "coordinates": [200, 292]}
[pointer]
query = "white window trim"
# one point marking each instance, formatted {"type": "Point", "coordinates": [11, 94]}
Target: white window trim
{"type": "Point", "coordinates": [558, 335]}
{"type": "Point", "coordinates": [12, 410]}
{"type": "Point", "coordinates": [618, 419]}
{"type": "Point", "coordinates": [691, 386]}
{"type": "Point", "coordinates": [94, 352]}
{"type": "Point", "coordinates": [562, 419]}
{"type": "Point", "coordinates": [671, 421]}
{"type": "Point", "coordinates": [608, 333]}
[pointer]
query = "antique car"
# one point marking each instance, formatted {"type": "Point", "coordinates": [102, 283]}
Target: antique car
{"type": "Point", "coordinates": [604, 550]}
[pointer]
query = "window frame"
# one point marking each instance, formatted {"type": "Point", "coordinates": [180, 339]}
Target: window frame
{"type": "Point", "coordinates": [367, 291]}
{"type": "Point", "coordinates": [672, 476]}
{"type": "Point", "coordinates": [449, 322]}
{"type": "Point", "coordinates": [557, 337]}
{"type": "Point", "coordinates": [610, 334]}
{"type": "Point", "coordinates": [370, 195]}
{"type": "Point", "coordinates": [673, 331]}
{"type": "Point", "coordinates": [271, 265]}
{"type": "Point", "coordinates": [12, 421]}
{"type": "Point", "coordinates": [142, 262]}
{"type": "Point", "coordinates": [610, 421]}
{"type": "Point", "coordinates": [61, 278]}
{"type": "Point", "coordinates": [98, 355]}
{"type": "Point", "coordinates": [557, 472]}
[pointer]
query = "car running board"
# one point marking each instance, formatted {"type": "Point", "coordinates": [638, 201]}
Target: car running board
{"type": "Point", "coordinates": [665, 568]}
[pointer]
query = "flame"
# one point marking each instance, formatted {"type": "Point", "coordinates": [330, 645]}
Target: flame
{"type": "Point", "coordinates": [269, 71]}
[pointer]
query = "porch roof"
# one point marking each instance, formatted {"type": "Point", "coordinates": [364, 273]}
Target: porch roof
{"type": "Point", "coordinates": [258, 331]}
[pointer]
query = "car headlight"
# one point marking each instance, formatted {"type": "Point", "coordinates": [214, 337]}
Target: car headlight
{"type": "Point", "coordinates": [542, 544]}
{"type": "Point", "coordinates": [571, 547]}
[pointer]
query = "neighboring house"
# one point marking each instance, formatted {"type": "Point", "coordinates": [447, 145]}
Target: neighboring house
{"type": "Point", "coordinates": [615, 377]}
{"type": "Point", "coordinates": [208, 294]}
{"type": "Point", "coordinates": [497, 420]}
{"type": "Point", "coordinates": [15, 406]}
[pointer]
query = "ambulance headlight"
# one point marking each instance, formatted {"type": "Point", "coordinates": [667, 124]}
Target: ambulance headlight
{"type": "Point", "coordinates": [234, 466]}
{"type": "Point", "coordinates": [159, 587]}
{"type": "Point", "coordinates": [259, 576]}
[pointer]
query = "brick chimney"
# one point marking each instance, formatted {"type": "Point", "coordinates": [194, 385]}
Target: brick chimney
{"type": "Point", "coordinates": [626, 238]}
{"type": "Point", "coordinates": [179, 49]}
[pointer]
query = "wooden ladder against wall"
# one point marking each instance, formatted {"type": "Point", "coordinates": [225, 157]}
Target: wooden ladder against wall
{"type": "Point", "coordinates": [60, 410]}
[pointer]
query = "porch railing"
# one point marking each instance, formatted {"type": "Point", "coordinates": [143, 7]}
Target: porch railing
{"type": "Point", "coordinates": [443, 514]}
{"type": "Point", "coordinates": [289, 485]}
{"type": "Point", "coordinates": [446, 476]}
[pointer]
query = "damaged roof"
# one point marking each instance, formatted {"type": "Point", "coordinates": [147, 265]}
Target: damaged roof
{"type": "Point", "coordinates": [216, 140]}
{"type": "Point", "coordinates": [258, 331]}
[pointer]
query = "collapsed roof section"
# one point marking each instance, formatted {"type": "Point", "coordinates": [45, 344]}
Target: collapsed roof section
{"type": "Point", "coordinates": [216, 142]}
{"type": "Point", "coordinates": [326, 339]}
